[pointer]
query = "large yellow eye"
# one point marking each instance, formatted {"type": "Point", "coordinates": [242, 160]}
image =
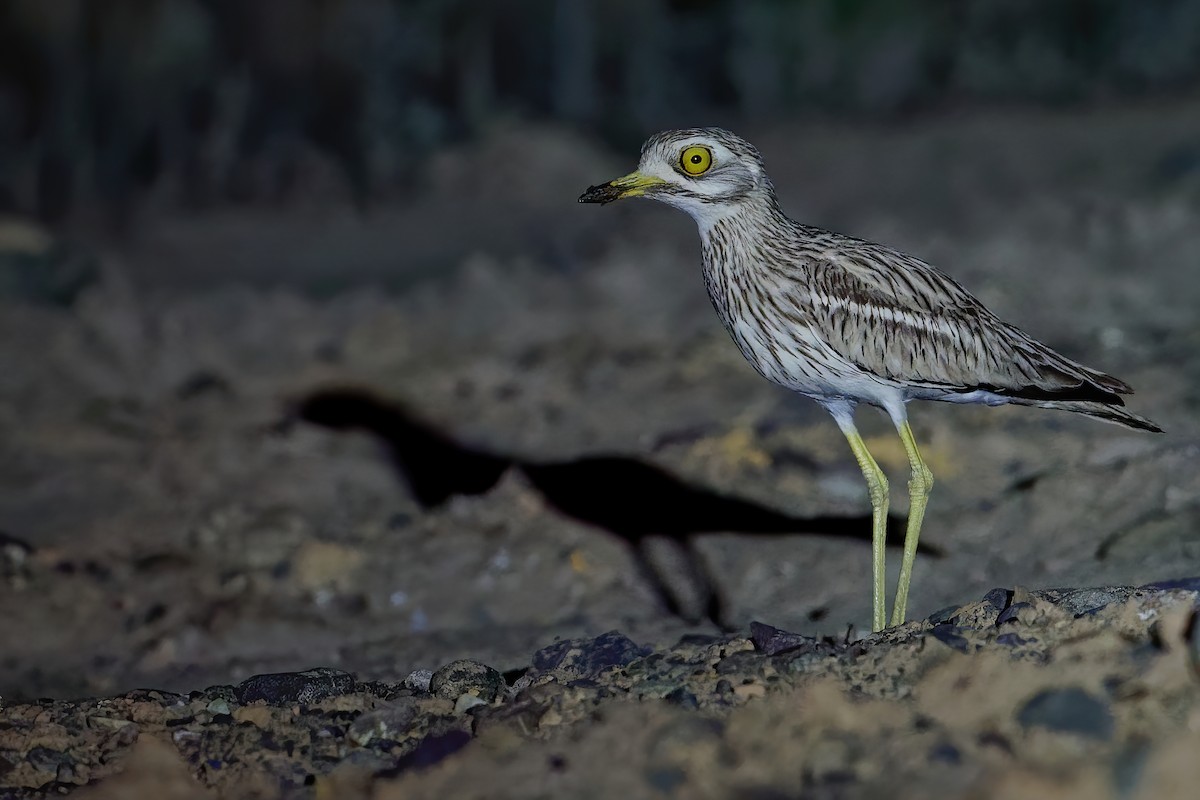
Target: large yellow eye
{"type": "Point", "coordinates": [695, 160]}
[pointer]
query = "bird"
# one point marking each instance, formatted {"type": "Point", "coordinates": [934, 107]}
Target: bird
{"type": "Point", "coordinates": [848, 322]}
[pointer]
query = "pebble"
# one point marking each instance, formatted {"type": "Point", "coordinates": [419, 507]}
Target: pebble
{"type": "Point", "coordinates": [418, 680]}
{"type": "Point", "coordinates": [770, 640]}
{"type": "Point", "coordinates": [1013, 640]}
{"type": "Point", "coordinates": [433, 749]}
{"type": "Point", "coordinates": [388, 722]}
{"type": "Point", "coordinates": [944, 615]}
{"type": "Point", "coordinates": [466, 702]}
{"type": "Point", "coordinates": [218, 706]}
{"type": "Point", "coordinates": [1070, 710]}
{"type": "Point", "coordinates": [950, 636]}
{"type": "Point", "coordinates": [14, 555]}
{"type": "Point", "coordinates": [586, 658]}
{"type": "Point", "coordinates": [1012, 613]}
{"type": "Point", "coordinates": [467, 677]}
{"type": "Point", "coordinates": [283, 688]}
{"type": "Point", "coordinates": [998, 598]}
{"type": "Point", "coordinates": [683, 698]}
{"type": "Point", "coordinates": [1087, 601]}
{"type": "Point", "coordinates": [1185, 584]}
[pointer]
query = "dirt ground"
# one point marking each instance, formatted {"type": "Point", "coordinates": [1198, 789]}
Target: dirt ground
{"type": "Point", "coordinates": [254, 443]}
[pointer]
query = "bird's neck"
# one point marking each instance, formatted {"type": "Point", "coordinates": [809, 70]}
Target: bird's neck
{"type": "Point", "coordinates": [734, 236]}
{"type": "Point", "coordinates": [746, 217]}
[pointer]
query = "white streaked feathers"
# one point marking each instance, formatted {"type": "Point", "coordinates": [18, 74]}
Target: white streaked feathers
{"type": "Point", "coordinates": [895, 316]}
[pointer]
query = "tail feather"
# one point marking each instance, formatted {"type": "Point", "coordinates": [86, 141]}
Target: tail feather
{"type": "Point", "coordinates": [1098, 410]}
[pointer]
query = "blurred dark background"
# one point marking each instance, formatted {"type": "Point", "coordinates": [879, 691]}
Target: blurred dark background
{"type": "Point", "coordinates": [200, 103]}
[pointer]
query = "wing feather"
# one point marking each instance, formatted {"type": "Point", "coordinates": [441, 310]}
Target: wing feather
{"type": "Point", "coordinates": [899, 318]}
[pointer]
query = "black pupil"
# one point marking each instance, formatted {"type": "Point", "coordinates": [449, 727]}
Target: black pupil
{"type": "Point", "coordinates": [697, 158]}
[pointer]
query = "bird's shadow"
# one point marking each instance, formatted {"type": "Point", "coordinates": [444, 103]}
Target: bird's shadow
{"type": "Point", "coordinates": [631, 499]}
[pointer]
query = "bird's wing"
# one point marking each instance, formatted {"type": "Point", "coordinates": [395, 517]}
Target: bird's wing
{"type": "Point", "coordinates": [897, 317]}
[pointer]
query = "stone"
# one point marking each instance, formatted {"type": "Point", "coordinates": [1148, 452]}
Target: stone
{"type": "Point", "coordinates": [418, 680]}
{"type": "Point", "coordinates": [683, 698]}
{"type": "Point", "coordinates": [1012, 613]}
{"type": "Point", "coordinates": [586, 658]}
{"type": "Point", "coordinates": [1087, 601]}
{"type": "Point", "coordinates": [467, 677]}
{"type": "Point", "coordinates": [998, 598]}
{"type": "Point", "coordinates": [1184, 584]}
{"type": "Point", "coordinates": [391, 721]}
{"type": "Point", "coordinates": [770, 640]}
{"type": "Point", "coordinates": [1070, 710]}
{"type": "Point", "coordinates": [466, 702]}
{"type": "Point", "coordinates": [950, 636]}
{"type": "Point", "coordinates": [433, 749]}
{"type": "Point", "coordinates": [218, 706]}
{"type": "Point", "coordinates": [283, 688]}
{"type": "Point", "coordinates": [944, 615]}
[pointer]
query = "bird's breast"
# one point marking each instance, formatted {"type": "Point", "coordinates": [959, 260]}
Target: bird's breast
{"type": "Point", "coordinates": [776, 346]}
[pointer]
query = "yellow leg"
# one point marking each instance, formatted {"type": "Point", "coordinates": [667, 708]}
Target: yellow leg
{"type": "Point", "coordinates": [877, 486]}
{"type": "Point", "coordinates": [918, 492]}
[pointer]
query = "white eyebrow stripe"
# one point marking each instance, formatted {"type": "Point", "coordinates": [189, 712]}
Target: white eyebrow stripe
{"type": "Point", "coordinates": [929, 324]}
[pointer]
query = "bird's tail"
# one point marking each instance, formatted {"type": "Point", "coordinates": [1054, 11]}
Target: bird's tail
{"type": "Point", "coordinates": [1093, 408]}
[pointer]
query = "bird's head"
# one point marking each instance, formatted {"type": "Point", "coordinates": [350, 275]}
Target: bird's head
{"type": "Point", "coordinates": [707, 172]}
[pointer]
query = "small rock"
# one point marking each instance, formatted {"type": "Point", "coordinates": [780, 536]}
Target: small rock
{"type": "Point", "coordinates": [950, 636]}
{"type": "Point", "coordinates": [283, 688]}
{"type": "Point", "coordinates": [45, 759]}
{"type": "Point", "coordinates": [218, 706]}
{"type": "Point", "coordinates": [586, 658]}
{"type": "Point", "coordinates": [433, 749]}
{"type": "Point", "coordinates": [744, 662]}
{"type": "Point", "coordinates": [1013, 640]}
{"type": "Point", "coordinates": [683, 698]}
{"type": "Point", "coordinates": [998, 598]}
{"type": "Point", "coordinates": [388, 722]}
{"type": "Point", "coordinates": [1012, 613]}
{"type": "Point", "coordinates": [943, 615]}
{"type": "Point", "coordinates": [770, 640]}
{"type": "Point", "coordinates": [227, 693]}
{"type": "Point", "coordinates": [1185, 584]}
{"type": "Point", "coordinates": [1086, 601]}
{"type": "Point", "coordinates": [418, 680]}
{"type": "Point", "coordinates": [466, 702]}
{"type": "Point", "coordinates": [14, 556]}
{"type": "Point", "coordinates": [467, 677]}
{"type": "Point", "coordinates": [1069, 710]}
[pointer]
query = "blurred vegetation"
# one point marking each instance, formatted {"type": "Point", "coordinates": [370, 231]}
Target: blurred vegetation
{"type": "Point", "coordinates": [220, 100]}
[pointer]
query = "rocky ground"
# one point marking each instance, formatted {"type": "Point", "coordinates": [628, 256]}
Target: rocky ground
{"type": "Point", "coordinates": [541, 436]}
{"type": "Point", "coordinates": [1081, 694]}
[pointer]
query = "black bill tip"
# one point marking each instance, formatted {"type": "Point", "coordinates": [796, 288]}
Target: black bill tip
{"type": "Point", "coordinates": [601, 193]}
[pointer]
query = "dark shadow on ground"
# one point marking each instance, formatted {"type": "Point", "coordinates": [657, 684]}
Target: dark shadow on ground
{"type": "Point", "coordinates": [631, 499]}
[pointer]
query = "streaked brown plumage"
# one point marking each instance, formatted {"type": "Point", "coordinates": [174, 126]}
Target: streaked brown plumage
{"type": "Point", "coordinates": [846, 321]}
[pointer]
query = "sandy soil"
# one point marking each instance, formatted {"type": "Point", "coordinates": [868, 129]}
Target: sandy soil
{"type": "Point", "coordinates": [208, 478]}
